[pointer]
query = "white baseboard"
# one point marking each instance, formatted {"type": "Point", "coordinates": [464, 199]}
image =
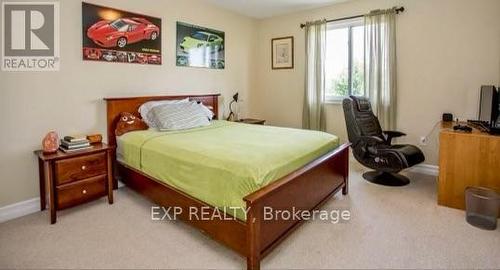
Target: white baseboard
{"type": "Point", "coordinates": [425, 169]}
{"type": "Point", "coordinates": [19, 209]}
{"type": "Point", "coordinates": [24, 208]}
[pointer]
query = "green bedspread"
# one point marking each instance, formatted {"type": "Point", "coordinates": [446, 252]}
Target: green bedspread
{"type": "Point", "coordinates": [222, 163]}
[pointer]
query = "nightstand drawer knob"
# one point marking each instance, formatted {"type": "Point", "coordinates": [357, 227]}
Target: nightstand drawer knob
{"type": "Point", "coordinates": [84, 168]}
{"type": "Point", "coordinates": [84, 191]}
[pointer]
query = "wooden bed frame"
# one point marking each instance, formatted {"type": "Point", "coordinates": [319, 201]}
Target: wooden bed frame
{"type": "Point", "coordinates": [304, 189]}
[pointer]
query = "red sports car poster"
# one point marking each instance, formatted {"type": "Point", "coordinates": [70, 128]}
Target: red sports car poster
{"type": "Point", "coordinates": [113, 35]}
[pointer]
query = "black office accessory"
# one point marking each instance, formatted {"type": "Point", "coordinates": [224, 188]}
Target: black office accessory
{"type": "Point", "coordinates": [373, 147]}
{"type": "Point", "coordinates": [447, 117]}
{"type": "Point", "coordinates": [463, 128]}
{"type": "Point", "coordinates": [481, 125]}
{"type": "Point", "coordinates": [494, 131]}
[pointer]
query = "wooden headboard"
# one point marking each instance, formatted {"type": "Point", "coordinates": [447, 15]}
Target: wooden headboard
{"type": "Point", "coordinates": [131, 104]}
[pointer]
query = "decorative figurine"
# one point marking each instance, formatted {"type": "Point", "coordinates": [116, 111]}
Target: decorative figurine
{"type": "Point", "coordinates": [94, 138]}
{"type": "Point", "coordinates": [129, 122]}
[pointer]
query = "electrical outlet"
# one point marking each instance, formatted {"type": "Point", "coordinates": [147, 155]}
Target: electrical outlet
{"type": "Point", "coordinates": [423, 140]}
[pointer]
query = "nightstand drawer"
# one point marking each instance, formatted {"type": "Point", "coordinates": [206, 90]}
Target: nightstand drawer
{"type": "Point", "coordinates": [73, 169]}
{"type": "Point", "coordinates": [82, 191]}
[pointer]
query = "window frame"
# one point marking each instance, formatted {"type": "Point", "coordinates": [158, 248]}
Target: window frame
{"type": "Point", "coordinates": [349, 24]}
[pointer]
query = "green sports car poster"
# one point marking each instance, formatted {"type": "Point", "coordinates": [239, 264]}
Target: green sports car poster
{"type": "Point", "coordinates": [199, 47]}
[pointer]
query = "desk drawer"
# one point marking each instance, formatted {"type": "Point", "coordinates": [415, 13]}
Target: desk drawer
{"type": "Point", "coordinates": [82, 191]}
{"type": "Point", "coordinates": [73, 169]}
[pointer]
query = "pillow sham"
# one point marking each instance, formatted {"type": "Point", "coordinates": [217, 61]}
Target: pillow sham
{"type": "Point", "coordinates": [145, 109]}
{"type": "Point", "coordinates": [180, 116]}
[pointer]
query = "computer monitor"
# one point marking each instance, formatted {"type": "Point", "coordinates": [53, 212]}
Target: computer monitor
{"type": "Point", "coordinates": [489, 105]}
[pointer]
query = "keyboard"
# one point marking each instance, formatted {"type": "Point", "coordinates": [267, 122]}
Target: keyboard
{"type": "Point", "coordinates": [484, 127]}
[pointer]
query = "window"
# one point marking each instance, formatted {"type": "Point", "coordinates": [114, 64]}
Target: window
{"type": "Point", "coordinates": [344, 64]}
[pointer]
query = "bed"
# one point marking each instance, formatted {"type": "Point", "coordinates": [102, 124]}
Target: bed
{"type": "Point", "coordinates": [230, 166]}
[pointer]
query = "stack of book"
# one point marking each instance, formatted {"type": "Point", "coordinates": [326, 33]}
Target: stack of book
{"type": "Point", "coordinates": [74, 143]}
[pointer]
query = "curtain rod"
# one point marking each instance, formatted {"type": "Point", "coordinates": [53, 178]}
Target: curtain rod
{"type": "Point", "coordinates": [398, 10]}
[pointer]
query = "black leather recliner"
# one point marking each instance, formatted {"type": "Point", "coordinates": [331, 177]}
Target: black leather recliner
{"type": "Point", "coordinates": [372, 147]}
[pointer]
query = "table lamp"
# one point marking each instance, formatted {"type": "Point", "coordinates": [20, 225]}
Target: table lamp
{"type": "Point", "coordinates": [232, 116]}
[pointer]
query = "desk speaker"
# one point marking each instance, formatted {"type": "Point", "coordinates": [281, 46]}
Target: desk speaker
{"type": "Point", "coordinates": [447, 117]}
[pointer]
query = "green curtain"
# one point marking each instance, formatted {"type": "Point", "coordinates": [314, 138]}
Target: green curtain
{"type": "Point", "coordinates": [314, 97]}
{"type": "Point", "coordinates": [380, 65]}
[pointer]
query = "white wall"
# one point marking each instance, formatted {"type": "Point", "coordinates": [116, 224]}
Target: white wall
{"type": "Point", "coordinates": [70, 101]}
{"type": "Point", "coordinates": [446, 50]}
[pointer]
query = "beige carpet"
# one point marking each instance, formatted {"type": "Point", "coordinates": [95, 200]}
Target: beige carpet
{"type": "Point", "coordinates": [390, 228]}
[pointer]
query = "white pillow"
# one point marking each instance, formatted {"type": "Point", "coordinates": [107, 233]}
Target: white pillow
{"type": "Point", "coordinates": [207, 111]}
{"type": "Point", "coordinates": [168, 117]}
{"type": "Point", "coordinates": [146, 108]}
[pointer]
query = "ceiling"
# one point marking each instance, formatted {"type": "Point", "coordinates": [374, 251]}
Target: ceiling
{"type": "Point", "coordinates": [268, 8]}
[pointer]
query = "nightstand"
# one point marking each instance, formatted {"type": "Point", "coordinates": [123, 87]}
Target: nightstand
{"type": "Point", "coordinates": [252, 121]}
{"type": "Point", "coordinates": [70, 179]}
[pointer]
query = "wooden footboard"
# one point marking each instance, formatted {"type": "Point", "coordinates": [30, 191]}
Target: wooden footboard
{"type": "Point", "coordinates": [304, 189]}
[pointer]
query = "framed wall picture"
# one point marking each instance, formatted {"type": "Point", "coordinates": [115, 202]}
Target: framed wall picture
{"type": "Point", "coordinates": [282, 53]}
{"type": "Point", "coordinates": [113, 35]}
{"type": "Point", "coordinates": [200, 47]}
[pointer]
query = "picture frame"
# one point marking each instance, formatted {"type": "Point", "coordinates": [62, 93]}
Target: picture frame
{"type": "Point", "coordinates": [282, 53]}
{"type": "Point", "coordinates": [116, 36]}
{"type": "Point", "coordinates": [200, 47]}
